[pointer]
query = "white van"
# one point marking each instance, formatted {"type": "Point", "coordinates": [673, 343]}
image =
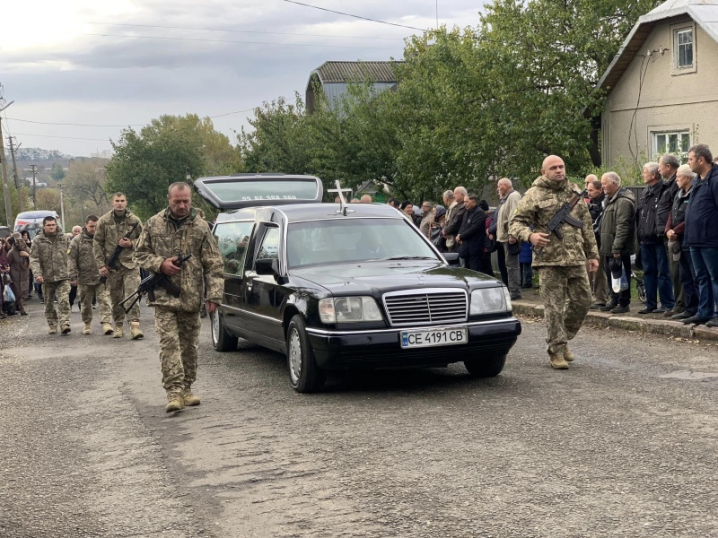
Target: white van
{"type": "Point", "coordinates": [32, 221]}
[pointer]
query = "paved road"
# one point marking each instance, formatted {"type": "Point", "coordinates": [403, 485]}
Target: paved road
{"type": "Point", "coordinates": [623, 444]}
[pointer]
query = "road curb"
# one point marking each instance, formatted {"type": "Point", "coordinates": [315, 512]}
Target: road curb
{"type": "Point", "coordinates": [674, 329]}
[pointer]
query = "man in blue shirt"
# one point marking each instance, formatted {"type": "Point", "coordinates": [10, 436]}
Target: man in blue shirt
{"type": "Point", "coordinates": [702, 232]}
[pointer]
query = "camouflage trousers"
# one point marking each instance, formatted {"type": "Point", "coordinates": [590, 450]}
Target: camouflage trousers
{"type": "Point", "coordinates": [179, 337]}
{"type": "Point", "coordinates": [566, 296]}
{"type": "Point", "coordinates": [87, 292]}
{"type": "Point", "coordinates": [61, 291]}
{"type": "Point", "coordinates": [120, 284]}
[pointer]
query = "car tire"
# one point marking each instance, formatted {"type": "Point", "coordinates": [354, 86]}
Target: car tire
{"type": "Point", "coordinates": [221, 339]}
{"type": "Point", "coordinates": [487, 367]}
{"type": "Point", "coordinates": [304, 374]}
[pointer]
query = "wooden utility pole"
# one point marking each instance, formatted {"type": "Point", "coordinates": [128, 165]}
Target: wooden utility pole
{"type": "Point", "coordinates": [33, 167]}
{"type": "Point", "coordinates": [5, 187]}
{"type": "Point", "coordinates": [20, 204]}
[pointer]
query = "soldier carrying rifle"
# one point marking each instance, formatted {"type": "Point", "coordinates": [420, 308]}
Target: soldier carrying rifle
{"type": "Point", "coordinates": [553, 216]}
{"type": "Point", "coordinates": [119, 229]}
{"type": "Point", "coordinates": [179, 244]}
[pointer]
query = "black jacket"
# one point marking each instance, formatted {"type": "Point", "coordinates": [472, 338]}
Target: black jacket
{"type": "Point", "coordinates": [457, 216]}
{"type": "Point", "coordinates": [702, 216]}
{"type": "Point", "coordinates": [665, 204]}
{"type": "Point", "coordinates": [678, 215]}
{"type": "Point", "coordinates": [646, 214]}
{"type": "Point", "coordinates": [472, 232]}
{"type": "Point", "coordinates": [595, 207]}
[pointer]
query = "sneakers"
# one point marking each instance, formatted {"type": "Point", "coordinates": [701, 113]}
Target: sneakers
{"type": "Point", "coordinates": [107, 329]}
{"type": "Point", "coordinates": [558, 362]}
{"type": "Point", "coordinates": [118, 331]}
{"type": "Point", "coordinates": [568, 355]}
{"type": "Point", "coordinates": [66, 329]}
{"type": "Point", "coordinates": [53, 329]}
{"type": "Point", "coordinates": [175, 402]}
{"type": "Point", "coordinates": [189, 398]}
{"type": "Point", "coordinates": [135, 331]}
{"type": "Point", "coordinates": [87, 329]}
{"type": "Point", "coordinates": [620, 309]}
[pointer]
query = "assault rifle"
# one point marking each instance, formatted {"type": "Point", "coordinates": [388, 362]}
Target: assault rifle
{"type": "Point", "coordinates": [118, 250]}
{"type": "Point", "coordinates": [151, 283]}
{"type": "Point", "coordinates": [564, 215]}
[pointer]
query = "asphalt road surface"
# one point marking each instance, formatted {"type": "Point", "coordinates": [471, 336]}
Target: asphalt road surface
{"type": "Point", "coordinates": [622, 444]}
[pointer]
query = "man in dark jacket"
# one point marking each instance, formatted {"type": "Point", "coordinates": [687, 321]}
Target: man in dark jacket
{"type": "Point", "coordinates": [702, 232]}
{"type": "Point", "coordinates": [656, 275]}
{"type": "Point", "coordinates": [472, 234]}
{"type": "Point", "coordinates": [617, 236]}
{"type": "Point", "coordinates": [596, 199]}
{"type": "Point", "coordinates": [455, 218]}
{"type": "Point", "coordinates": [667, 166]}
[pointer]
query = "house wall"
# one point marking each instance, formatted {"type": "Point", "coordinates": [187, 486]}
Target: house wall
{"type": "Point", "coordinates": [670, 100]}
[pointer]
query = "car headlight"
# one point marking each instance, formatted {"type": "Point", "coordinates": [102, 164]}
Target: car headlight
{"type": "Point", "coordinates": [348, 310]}
{"type": "Point", "coordinates": [490, 301]}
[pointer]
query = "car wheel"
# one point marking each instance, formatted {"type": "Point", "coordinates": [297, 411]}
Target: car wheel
{"type": "Point", "coordinates": [304, 374]}
{"type": "Point", "coordinates": [221, 339]}
{"type": "Point", "coordinates": [488, 367]}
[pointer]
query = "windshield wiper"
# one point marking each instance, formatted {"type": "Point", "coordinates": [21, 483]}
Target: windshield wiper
{"type": "Point", "coordinates": [405, 258]}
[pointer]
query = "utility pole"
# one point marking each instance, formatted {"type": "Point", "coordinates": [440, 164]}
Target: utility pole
{"type": "Point", "coordinates": [20, 203]}
{"type": "Point", "coordinates": [33, 167]}
{"type": "Point", "coordinates": [6, 188]}
{"type": "Point", "coordinates": [62, 210]}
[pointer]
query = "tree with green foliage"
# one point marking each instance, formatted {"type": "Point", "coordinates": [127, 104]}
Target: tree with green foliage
{"type": "Point", "coordinates": [57, 173]}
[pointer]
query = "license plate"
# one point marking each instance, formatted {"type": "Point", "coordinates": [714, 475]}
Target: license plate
{"type": "Point", "coordinates": [434, 337]}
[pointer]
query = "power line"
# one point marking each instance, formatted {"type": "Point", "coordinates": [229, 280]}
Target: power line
{"type": "Point", "coordinates": [355, 16]}
{"type": "Point", "coordinates": [68, 137]}
{"type": "Point", "coordinates": [194, 28]}
{"type": "Point", "coordinates": [114, 125]}
{"type": "Point", "coordinates": [161, 38]}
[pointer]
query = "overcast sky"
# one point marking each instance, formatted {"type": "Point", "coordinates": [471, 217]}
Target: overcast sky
{"type": "Point", "coordinates": [220, 56]}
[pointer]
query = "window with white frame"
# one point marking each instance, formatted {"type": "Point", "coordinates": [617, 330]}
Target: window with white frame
{"type": "Point", "coordinates": [683, 48]}
{"type": "Point", "coordinates": [675, 142]}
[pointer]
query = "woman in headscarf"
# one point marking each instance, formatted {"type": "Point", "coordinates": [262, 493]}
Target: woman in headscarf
{"type": "Point", "coordinates": [436, 225]}
{"type": "Point", "coordinates": [19, 260]}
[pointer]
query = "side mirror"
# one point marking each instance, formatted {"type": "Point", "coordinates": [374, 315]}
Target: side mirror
{"type": "Point", "coordinates": [452, 258]}
{"type": "Point", "coordinates": [265, 266]}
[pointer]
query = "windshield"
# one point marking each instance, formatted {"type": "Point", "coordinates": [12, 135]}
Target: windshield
{"type": "Point", "coordinates": [354, 240]}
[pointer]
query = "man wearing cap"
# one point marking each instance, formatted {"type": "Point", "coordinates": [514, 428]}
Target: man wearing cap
{"type": "Point", "coordinates": [617, 237]}
{"type": "Point", "coordinates": [561, 261]}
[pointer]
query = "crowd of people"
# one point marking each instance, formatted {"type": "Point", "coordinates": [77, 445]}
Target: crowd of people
{"type": "Point", "coordinates": [671, 229]}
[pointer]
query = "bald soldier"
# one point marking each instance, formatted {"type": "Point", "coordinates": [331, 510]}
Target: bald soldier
{"type": "Point", "coordinates": [565, 290]}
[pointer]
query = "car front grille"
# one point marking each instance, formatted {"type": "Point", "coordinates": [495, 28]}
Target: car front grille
{"type": "Point", "coordinates": [426, 307]}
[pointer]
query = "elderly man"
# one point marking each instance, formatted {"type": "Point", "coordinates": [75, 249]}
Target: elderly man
{"type": "Point", "coordinates": [597, 279]}
{"type": "Point", "coordinates": [668, 166]}
{"type": "Point", "coordinates": [617, 234]}
{"type": "Point", "coordinates": [427, 217]}
{"type": "Point", "coordinates": [507, 244]}
{"type": "Point", "coordinates": [366, 199]}
{"type": "Point", "coordinates": [656, 275]}
{"type": "Point", "coordinates": [590, 178]}
{"type": "Point", "coordinates": [561, 261]}
{"type": "Point", "coordinates": [472, 234]}
{"type": "Point", "coordinates": [702, 232]}
{"type": "Point", "coordinates": [454, 218]}
{"type": "Point", "coordinates": [675, 231]}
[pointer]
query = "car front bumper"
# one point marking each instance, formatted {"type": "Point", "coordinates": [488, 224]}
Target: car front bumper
{"type": "Point", "coordinates": [373, 349]}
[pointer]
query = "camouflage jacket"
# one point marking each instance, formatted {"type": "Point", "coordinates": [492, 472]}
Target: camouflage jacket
{"type": "Point", "coordinates": [48, 257]}
{"type": "Point", "coordinates": [83, 266]}
{"type": "Point", "coordinates": [164, 237]}
{"type": "Point", "coordinates": [110, 230]}
{"type": "Point", "coordinates": [540, 203]}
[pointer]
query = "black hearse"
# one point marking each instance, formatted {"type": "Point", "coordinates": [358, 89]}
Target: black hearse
{"type": "Point", "coordinates": [339, 287]}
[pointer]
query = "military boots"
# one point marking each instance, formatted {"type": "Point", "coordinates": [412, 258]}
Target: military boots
{"type": "Point", "coordinates": [53, 329]}
{"type": "Point", "coordinates": [118, 331]}
{"type": "Point", "coordinates": [189, 398]}
{"type": "Point", "coordinates": [66, 329]}
{"type": "Point", "coordinates": [87, 329]}
{"type": "Point", "coordinates": [107, 329]}
{"type": "Point", "coordinates": [568, 356]}
{"type": "Point", "coordinates": [135, 331]}
{"type": "Point", "coordinates": [175, 402]}
{"type": "Point", "coordinates": [558, 362]}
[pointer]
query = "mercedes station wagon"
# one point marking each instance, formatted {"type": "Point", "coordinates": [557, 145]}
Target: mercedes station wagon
{"type": "Point", "coordinates": [338, 286]}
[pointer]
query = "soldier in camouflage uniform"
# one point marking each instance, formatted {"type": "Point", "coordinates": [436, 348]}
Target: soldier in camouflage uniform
{"type": "Point", "coordinates": [565, 290]}
{"type": "Point", "coordinates": [124, 278]}
{"type": "Point", "coordinates": [85, 275]}
{"type": "Point", "coordinates": [180, 230]}
{"type": "Point", "coordinates": [49, 265]}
